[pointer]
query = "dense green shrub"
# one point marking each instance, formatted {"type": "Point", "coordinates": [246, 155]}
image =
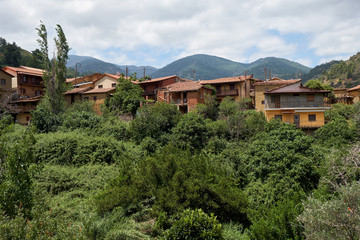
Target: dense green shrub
{"type": "Point", "coordinates": [76, 149]}
{"type": "Point", "coordinates": [190, 132]}
{"type": "Point", "coordinates": [83, 120]}
{"type": "Point", "coordinates": [154, 121]}
{"type": "Point", "coordinates": [194, 224]}
{"type": "Point", "coordinates": [44, 120]}
{"type": "Point", "coordinates": [175, 180]}
{"type": "Point", "coordinates": [337, 132]}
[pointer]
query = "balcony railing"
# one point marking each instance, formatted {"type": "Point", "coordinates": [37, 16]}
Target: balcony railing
{"type": "Point", "coordinates": [297, 104]}
{"type": "Point", "coordinates": [178, 101]}
{"type": "Point", "coordinates": [232, 92]}
{"type": "Point", "coordinates": [21, 109]}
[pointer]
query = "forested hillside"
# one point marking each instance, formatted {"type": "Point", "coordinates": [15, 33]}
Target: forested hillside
{"type": "Point", "coordinates": [212, 67]}
{"type": "Point", "coordinates": [13, 55]}
{"type": "Point", "coordinates": [343, 73]}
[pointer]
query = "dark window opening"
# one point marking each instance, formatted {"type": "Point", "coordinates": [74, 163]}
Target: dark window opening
{"type": "Point", "coordinates": [278, 117]}
{"type": "Point", "coordinates": [312, 117]}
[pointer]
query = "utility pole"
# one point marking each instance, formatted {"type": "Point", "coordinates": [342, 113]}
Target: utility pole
{"type": "Point", "coordinates": [76, 72]}
{"type": "Point", "coordinates": [127, 72]}
{"type": "Point", "coordinates": [194, 74]}
{"type": "Point", "coordinates": [265, 73]}
{"type": "Point", "coordinates": [144, 73]}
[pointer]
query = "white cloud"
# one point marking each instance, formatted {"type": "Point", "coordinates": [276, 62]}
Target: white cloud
{"type": "Point", "coordinates": [238, 30]}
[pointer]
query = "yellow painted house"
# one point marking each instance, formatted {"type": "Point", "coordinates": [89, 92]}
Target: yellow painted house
{"type": "Point", "coordinates": [296, 104]}
{"type": "Point", "coordinates": [263, 86]}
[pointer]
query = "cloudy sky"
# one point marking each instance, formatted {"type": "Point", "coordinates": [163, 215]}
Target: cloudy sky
{"type": "Point", "coordinates": [157, 32]}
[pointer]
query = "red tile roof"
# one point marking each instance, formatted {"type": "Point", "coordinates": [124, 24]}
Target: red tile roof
{"type": "Point", "coordinates": [32, 99]}
{"type": "Point", "coordinates": [26, 70]}
{"type": "Point", "coordinates": [226, 80]}
{"type": "Point", "coordinates": [187, 86]}
{"type": "Point", "coordinates": [277, 81]}
{"type": "Point", "coordinates": [294, 88]}
{"type": "Point", "coordinates": [99, 90]}
{"type": "Point", "coordinates": [354, 88]}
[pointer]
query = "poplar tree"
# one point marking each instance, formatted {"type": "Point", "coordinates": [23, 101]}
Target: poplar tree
{"type": "Point", "coordinates": [54, 70]}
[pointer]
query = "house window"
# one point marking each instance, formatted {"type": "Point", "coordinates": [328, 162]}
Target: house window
{"type": "Point", "coordinates": [3, 81]}
{"type": "Point", "coordinates": [218, 89]}
{"type": "Point", "coordinates": [263, 102]}
{"type": "Point", "coordinates": [24, 79]}
{"type": "Point", "coordinates": [296, 95]}
{"type": "Point", "coordinates": [27, 118]}
{"type": "Point", "coordinates": [113, 85]}
{"type": "Point", "coordinates": [23, 90]}
{"type": "Point", "coordinates": [312, 117]}
{"type": "Point", "coordinates": [232, 86]}
{"type": "Point", "coordinates": [37, 92]}
{"type": "Point", "coordinates": [94, 98]}
{"type": "Point", "coordinates": [278, 117]}
{"type": "Point", "coordinates": [100, 86]}
{"type": "Point", "coordinates": [310, 97]}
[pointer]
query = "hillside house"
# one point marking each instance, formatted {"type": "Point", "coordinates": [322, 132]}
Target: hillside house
{"type": "Point", "coordinates": [5, 81]}
{"type": "Point", "coordinates": [296, 104]}
{"type": "Point", "coordinates": [28, 87]}
{"type": "Point", "coordinates": [355, 93]}
{"type": "Point", "coordinates": [263, 86]}
{"type": "Point", "coordinates": [186, 95]}
{"type": "Point", "coordinates": [235, 87]}
{"type": "Point", "coordinates": [150, 87]}
{"type": "Point", "coordinates": [341, 96]}
{"type": "Point", "coordinates": [95, 81]}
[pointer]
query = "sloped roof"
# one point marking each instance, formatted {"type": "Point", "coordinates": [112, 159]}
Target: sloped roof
{"type": "Point", "coordinates": [32, 99]}
{"type": "Point", "coordinates": [161, 79]}
{"type": "Point", "coordinates": [295, 88]}
{"type": "Point", "coordinates": [25, 70]}
{"type": "Point", "coordinates": [187, 86]}
{"type": "Point", "coordinates": [277, 81]}
{"type": "Point", "coordinates": [354, 88]}
{"type": "Point", "coordinates": [99, 90]}
{"type": "Point", "coordinates": [226, 80]}
{"type": "Point", "coordinates": [77, 90]}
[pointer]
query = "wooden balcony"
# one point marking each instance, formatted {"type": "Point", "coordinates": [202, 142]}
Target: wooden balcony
{"type": "Point", "coordinates": [223, 93]}
{"type": "Point", "coordinates": [149, 93]}
{"type": "Point", "coordinates": [18, 108]}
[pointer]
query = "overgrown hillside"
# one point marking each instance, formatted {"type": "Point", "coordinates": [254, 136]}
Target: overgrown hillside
{"type": "Point", "coordinates": [212, 67]}
{"type": "Point", "coordinates": [343, 73]}
{"type": "Point", "coordinates": [318, 70]}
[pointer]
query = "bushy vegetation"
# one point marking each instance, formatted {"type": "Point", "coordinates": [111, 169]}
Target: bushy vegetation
{"type": "Point", "coordinates": [164, 175]}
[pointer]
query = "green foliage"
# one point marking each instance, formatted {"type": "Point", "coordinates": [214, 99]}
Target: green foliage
{"type": "Point", "coordinates": [154, 121]}
{"type": "Point", "coordinates": [55, 70]}
{"type": "Point", "coordinates": [337, 218]}
{"type": "Point", "coordinates": [336, 133]}
{"type": "Point", "coordinates": [83, 120]}
{"type": "Point", "coordinates": [280, 161]}
{"type": "Point", "coordinates": [44, 120]}
{"type": "Point", "coordinates": [190, 132]}
{"type": "Point", "coordinates": [74, 148]}
{"type": "Point", "coordinates": [278, 222]}
{"type": "Point", "coordinates": [127, 98]}
{"type": "Point", "coordinates": [15, 177]}
{"type": "Point", "coordinates": [210, 108]}
{"type": "Point", "coordinates": [173, 180]}
{"type": "Point", "coordinates": [194, 224]}
{"type": "Point", "coordinates": [341, 110]}
{"type": "Point", "coordinates": [316, 84]}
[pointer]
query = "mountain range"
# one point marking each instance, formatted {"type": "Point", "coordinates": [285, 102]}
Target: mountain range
{"type": "Point", "coordinates": [205, 67]}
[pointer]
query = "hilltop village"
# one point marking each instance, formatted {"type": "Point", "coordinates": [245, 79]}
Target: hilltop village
{"type": "Point", "coordinates": [286, 100]}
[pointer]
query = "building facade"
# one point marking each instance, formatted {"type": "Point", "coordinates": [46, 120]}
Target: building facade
{"type": "Point", "coordinates": [296, 104]}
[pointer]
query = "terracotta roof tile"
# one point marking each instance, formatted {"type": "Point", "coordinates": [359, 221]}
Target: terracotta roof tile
{"type": "Point", "coordinates": [187, 86]}
{"type": "Point", "coordinates": [354, 88]}
{"type": "Point", "coordinates": [26, 70]}
{"type": "Point", "coordinates": [226, 80]}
